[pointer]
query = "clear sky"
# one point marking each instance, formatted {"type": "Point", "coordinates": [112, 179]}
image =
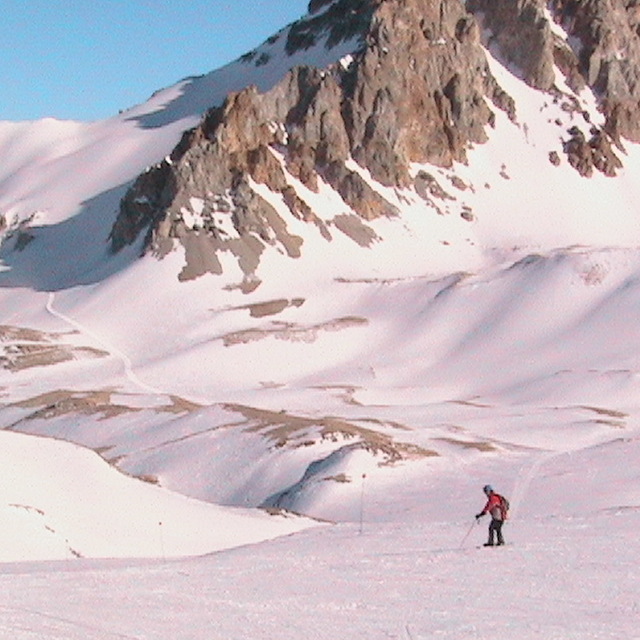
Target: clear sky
{"type": "Point", "coordinates": [88, 59]}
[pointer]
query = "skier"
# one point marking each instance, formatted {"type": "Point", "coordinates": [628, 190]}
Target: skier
{"type": "Point", "coordinates": [496, 508]}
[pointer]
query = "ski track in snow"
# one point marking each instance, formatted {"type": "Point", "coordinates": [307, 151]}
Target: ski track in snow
{"type": "Point", "coordinates": [55, 625]}
{"type": "Point", "coordinates": [524, 480]}
{"type": "Point", "coordinates": [129, 373]}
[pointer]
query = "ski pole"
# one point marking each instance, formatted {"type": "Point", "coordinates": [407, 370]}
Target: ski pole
{"type": "Point", "coordinates": [468, 533]}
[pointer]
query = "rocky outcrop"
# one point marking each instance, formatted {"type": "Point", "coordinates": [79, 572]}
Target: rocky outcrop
{"type": "Point", "coordinates": [416, 89]}
{"type": "Point", "coordinates": [519, 31]}
{"type": "Point", "coordinates": [609, 56]}
{"type": "Point", "coordinates": [313, 123]}
{"type": "Point", "coordinates": [585, 155]}
{"type": "Point", "coordinates": [331, 21]}
{"type": "Point", "coordinates": [608, 61]}
{"type": "Point", "coordinates": [522, 35]}
{"type": "Point", "coordinates": [436, 107]}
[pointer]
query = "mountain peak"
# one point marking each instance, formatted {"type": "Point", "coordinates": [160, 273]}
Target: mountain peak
{"type": "Point", "coordinates": [416, 89]}
{"type": "Point", "coordinates": [314, 121]}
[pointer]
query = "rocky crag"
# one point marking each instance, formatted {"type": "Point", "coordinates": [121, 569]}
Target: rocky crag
{"type": "Point", "coordinates": [602, 51]}
{"type": "Point", "coordinates": [416, 89]}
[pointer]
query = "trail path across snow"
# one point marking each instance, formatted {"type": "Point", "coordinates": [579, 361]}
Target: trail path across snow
{"type": "Point", "coordinates": [114, 351]}
{"type": "Point", "coordinates": [524, 480]}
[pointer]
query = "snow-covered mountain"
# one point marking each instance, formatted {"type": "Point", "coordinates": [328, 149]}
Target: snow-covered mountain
{"type": "Point", "coordinates": [383, 259]}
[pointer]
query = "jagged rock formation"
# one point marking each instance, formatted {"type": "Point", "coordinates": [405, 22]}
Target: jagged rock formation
{"type": "Point", "coordinates": [316, 122]}
{"type": "Point", "coordinates": [605, 55]}
{"type": "Point", "coordinates": [523, 35]}
{"type": "Point", "coordinates": [609, 58]}
{"type": "Point", "coordinates": [595, 153]}
{"type": "Point", "coordinates": [608, 61]}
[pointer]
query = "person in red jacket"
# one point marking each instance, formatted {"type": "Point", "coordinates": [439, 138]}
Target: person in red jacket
{"type": "Point", "coordinates": [495, 509]}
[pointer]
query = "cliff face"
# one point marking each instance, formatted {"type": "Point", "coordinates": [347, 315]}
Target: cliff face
{"type": "Point", "coordinates": [601, 51]}
{"type": "Point", "coordinates": [608, 33]}
{"type": "Point", "coordinates": [416, 89]}
{"type": "Point", "coordinates": [523, 36]}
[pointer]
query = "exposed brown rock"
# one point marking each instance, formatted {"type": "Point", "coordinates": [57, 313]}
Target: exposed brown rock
{"type": "Point", "coordinates": [418, 89]}
{"type": "Point", "coordinates": [522, 35]}
{"type": "Point", "coordinates": [567, 61]}
{"type": "Point", "coordinates": [594, 153]}
{"type": "Point", "coordinates": [427, 186]}
{"type": "Point", "coordinates": [604, 157]}
{"type": "Point", "coordinates": [579, 152]}
{"type": "Point", "coordinates": [609, 57]}
{"type": "Point", "coordinates": [436, 107]}
{"type": "Point", "coordinates": [314, 121]}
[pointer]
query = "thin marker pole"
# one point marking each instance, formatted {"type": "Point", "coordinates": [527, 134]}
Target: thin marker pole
{"type": "Point", "coordinates": [364, 475]}
{"type": "Point", "coordinates": [164, 557]}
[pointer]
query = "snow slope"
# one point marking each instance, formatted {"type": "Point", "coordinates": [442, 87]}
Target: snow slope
{"type": "Point", "coordinates": [52, 168]}
{"type": "Point", "coordinates": [561, 576]}
{"type": "Point", "coordinates": [60, 501]}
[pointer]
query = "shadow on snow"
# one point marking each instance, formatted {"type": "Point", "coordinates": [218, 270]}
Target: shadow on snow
{"type": "Point", "coordinates": [70, 253]}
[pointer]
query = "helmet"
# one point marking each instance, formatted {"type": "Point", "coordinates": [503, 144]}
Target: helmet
{"type": "Point", "coordinates": [487, 488]}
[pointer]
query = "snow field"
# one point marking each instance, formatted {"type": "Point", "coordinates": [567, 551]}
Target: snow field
{"type": "Point", "coordinates": [562, 579]}
{"type": "Point", "coordinates": [61, 501]}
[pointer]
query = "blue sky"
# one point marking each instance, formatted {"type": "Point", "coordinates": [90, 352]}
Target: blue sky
{"type": "Point", "coordinates": [88, 59]}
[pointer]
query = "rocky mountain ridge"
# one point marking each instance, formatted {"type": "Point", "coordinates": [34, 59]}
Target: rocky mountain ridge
{"type": "Point", "coordinates": [417, 90]}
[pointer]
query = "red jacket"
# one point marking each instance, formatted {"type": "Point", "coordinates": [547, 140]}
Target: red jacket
{"type": "Point", "coordinates": [494, 507]}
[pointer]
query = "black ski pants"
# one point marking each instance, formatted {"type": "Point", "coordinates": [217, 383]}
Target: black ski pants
{"type": "Point", "coordinates": [495, 530]}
